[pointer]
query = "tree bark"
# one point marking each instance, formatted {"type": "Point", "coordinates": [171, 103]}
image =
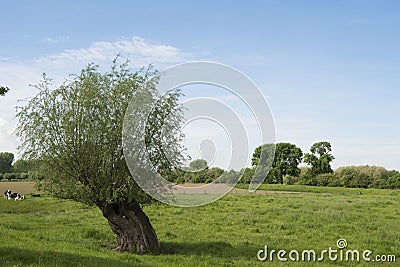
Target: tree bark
{"type": "Point", "coordinates": [132, 227]}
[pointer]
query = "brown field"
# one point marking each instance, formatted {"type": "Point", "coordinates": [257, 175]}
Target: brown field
{"type": "Point", "coordinates": [25, 188]}
{"type": "Point", "coordinates": [22, 188]}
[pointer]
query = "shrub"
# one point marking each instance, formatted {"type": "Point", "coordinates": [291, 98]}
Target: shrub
{"type": "Point", "coordinates": [9, 176]}
{"type": "Point", "coordinates": [229, 177]}
{"type": "Point", "coordinates": [393, 182]}
{"type": "Point", "coordinates": [247, 175]}
{"type": "Point", "coordinates": [180, 180]}
{"type": "Point", "coordinates": [308, 178]}
{"type": "Point", "coordinates": [363, 176]}
{"type": "Point", "coordinates": [324, 179]}
{"type": "Point", "coordinates": [335, 182]}
{"type": "Point", "coordinates": [35, 175]}
{"type": "Point", "coordinates": [290, 180]}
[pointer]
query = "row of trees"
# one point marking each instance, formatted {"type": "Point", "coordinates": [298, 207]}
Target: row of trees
{"type": "Point", "coordinates": [285, 163]}
{"type": "Point", "coordinates": [285, 170]}
{"type": "Point", "coordinates": [20, 169]}
{"type": "Point", "coordinates": [288, 157]}
{"type": "Point", "coordinates": [14, 176]}
{"type": "Point", "coordinates": [351, 176]}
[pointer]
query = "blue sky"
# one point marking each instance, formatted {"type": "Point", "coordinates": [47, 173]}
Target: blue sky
{"type": "Point", "coordinates": [330, 69]}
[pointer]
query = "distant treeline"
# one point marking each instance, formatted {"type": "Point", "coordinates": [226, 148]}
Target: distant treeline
{"type": "Point", "coordinates": [20, 169]}
{"type": "Point", "coordinates": [282, 161]}
{"type": "Point", "coordinates": [284, 169]}
{"type": "Point", "coordinates": [349, 176]}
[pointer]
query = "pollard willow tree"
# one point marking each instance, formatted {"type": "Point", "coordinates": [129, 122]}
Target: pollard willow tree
{"type": "Point", "coordinates": [76, 131]}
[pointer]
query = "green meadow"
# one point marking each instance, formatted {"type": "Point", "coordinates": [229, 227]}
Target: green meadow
{"type": "Point", "coordinates": [46, 231]}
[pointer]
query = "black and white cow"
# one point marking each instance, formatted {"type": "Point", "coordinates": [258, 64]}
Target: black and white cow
{"type": "Point", "coordinates": [9, 195]}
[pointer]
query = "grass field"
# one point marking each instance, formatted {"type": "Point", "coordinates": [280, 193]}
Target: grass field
{"type": "Point", "coordinates": [52, 232]}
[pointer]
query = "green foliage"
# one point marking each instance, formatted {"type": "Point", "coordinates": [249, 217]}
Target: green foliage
{"type": "Point", "coordinates": [324, 179]}
{"type": "Point", "coordinates": [9, 176]}
{"type": "Point", "coordinates": [198, 172]}
{"type": "Point", "coordinates": [320, 158]}
{"type": "Point", "coordinates": [175, 175]}
{"type": "Point", "coordinates": [393, 182]}
{"type": "Point", "coordinates": [75, 131]}
{"type": "Point", "coordinates": [205, 175]}
{"type": "Point", "coordinates": [213, 174]}
{"type": "Point", "coordinates": [198, 164]}
{"type": "Point", "coordinates": [363, 176]}
{"type": "Point", "coordinates": [6, 160]}
{"type": "Point", "coordinates": [263, 155]}
{"type": "Point", "coordinates": [290, 180]}
{"type": "Point", "coordinates": [22, 165]}
{"type": "Point", "coordinates": [24, 176]}
{"type": "Point", "coordinates": [247, 175]}
{"type": "Point", "coordinates": [230, 177]}
{"type": "Point", "coordinates": [287, 158]}
{"type": "Point", "coordinates": [33, 169]}
{"type": "Point", "coordinates": [14, 176]}
{"type": "Point", "coordinates": [307, 177]}
{"type": "Point", "coordinates": [4, 90]}
{"type": "Point", "coordinates": [262, 160]}
{"type": "Point", "coordinates": [353, 176]}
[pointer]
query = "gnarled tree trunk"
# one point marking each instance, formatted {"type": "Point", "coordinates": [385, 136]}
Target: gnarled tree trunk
{"type": "Point", "coordinates": [132, 227]}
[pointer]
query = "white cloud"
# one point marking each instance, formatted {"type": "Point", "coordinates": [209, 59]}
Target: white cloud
{"type": "Point", "coordinates": [140, 51]}
{"type": "Point", "coordinates": [56, 40]}
{"type": "Point", "coordinates": [18, 74]}
{"type": "Point", "coordinates": [4, 58]}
